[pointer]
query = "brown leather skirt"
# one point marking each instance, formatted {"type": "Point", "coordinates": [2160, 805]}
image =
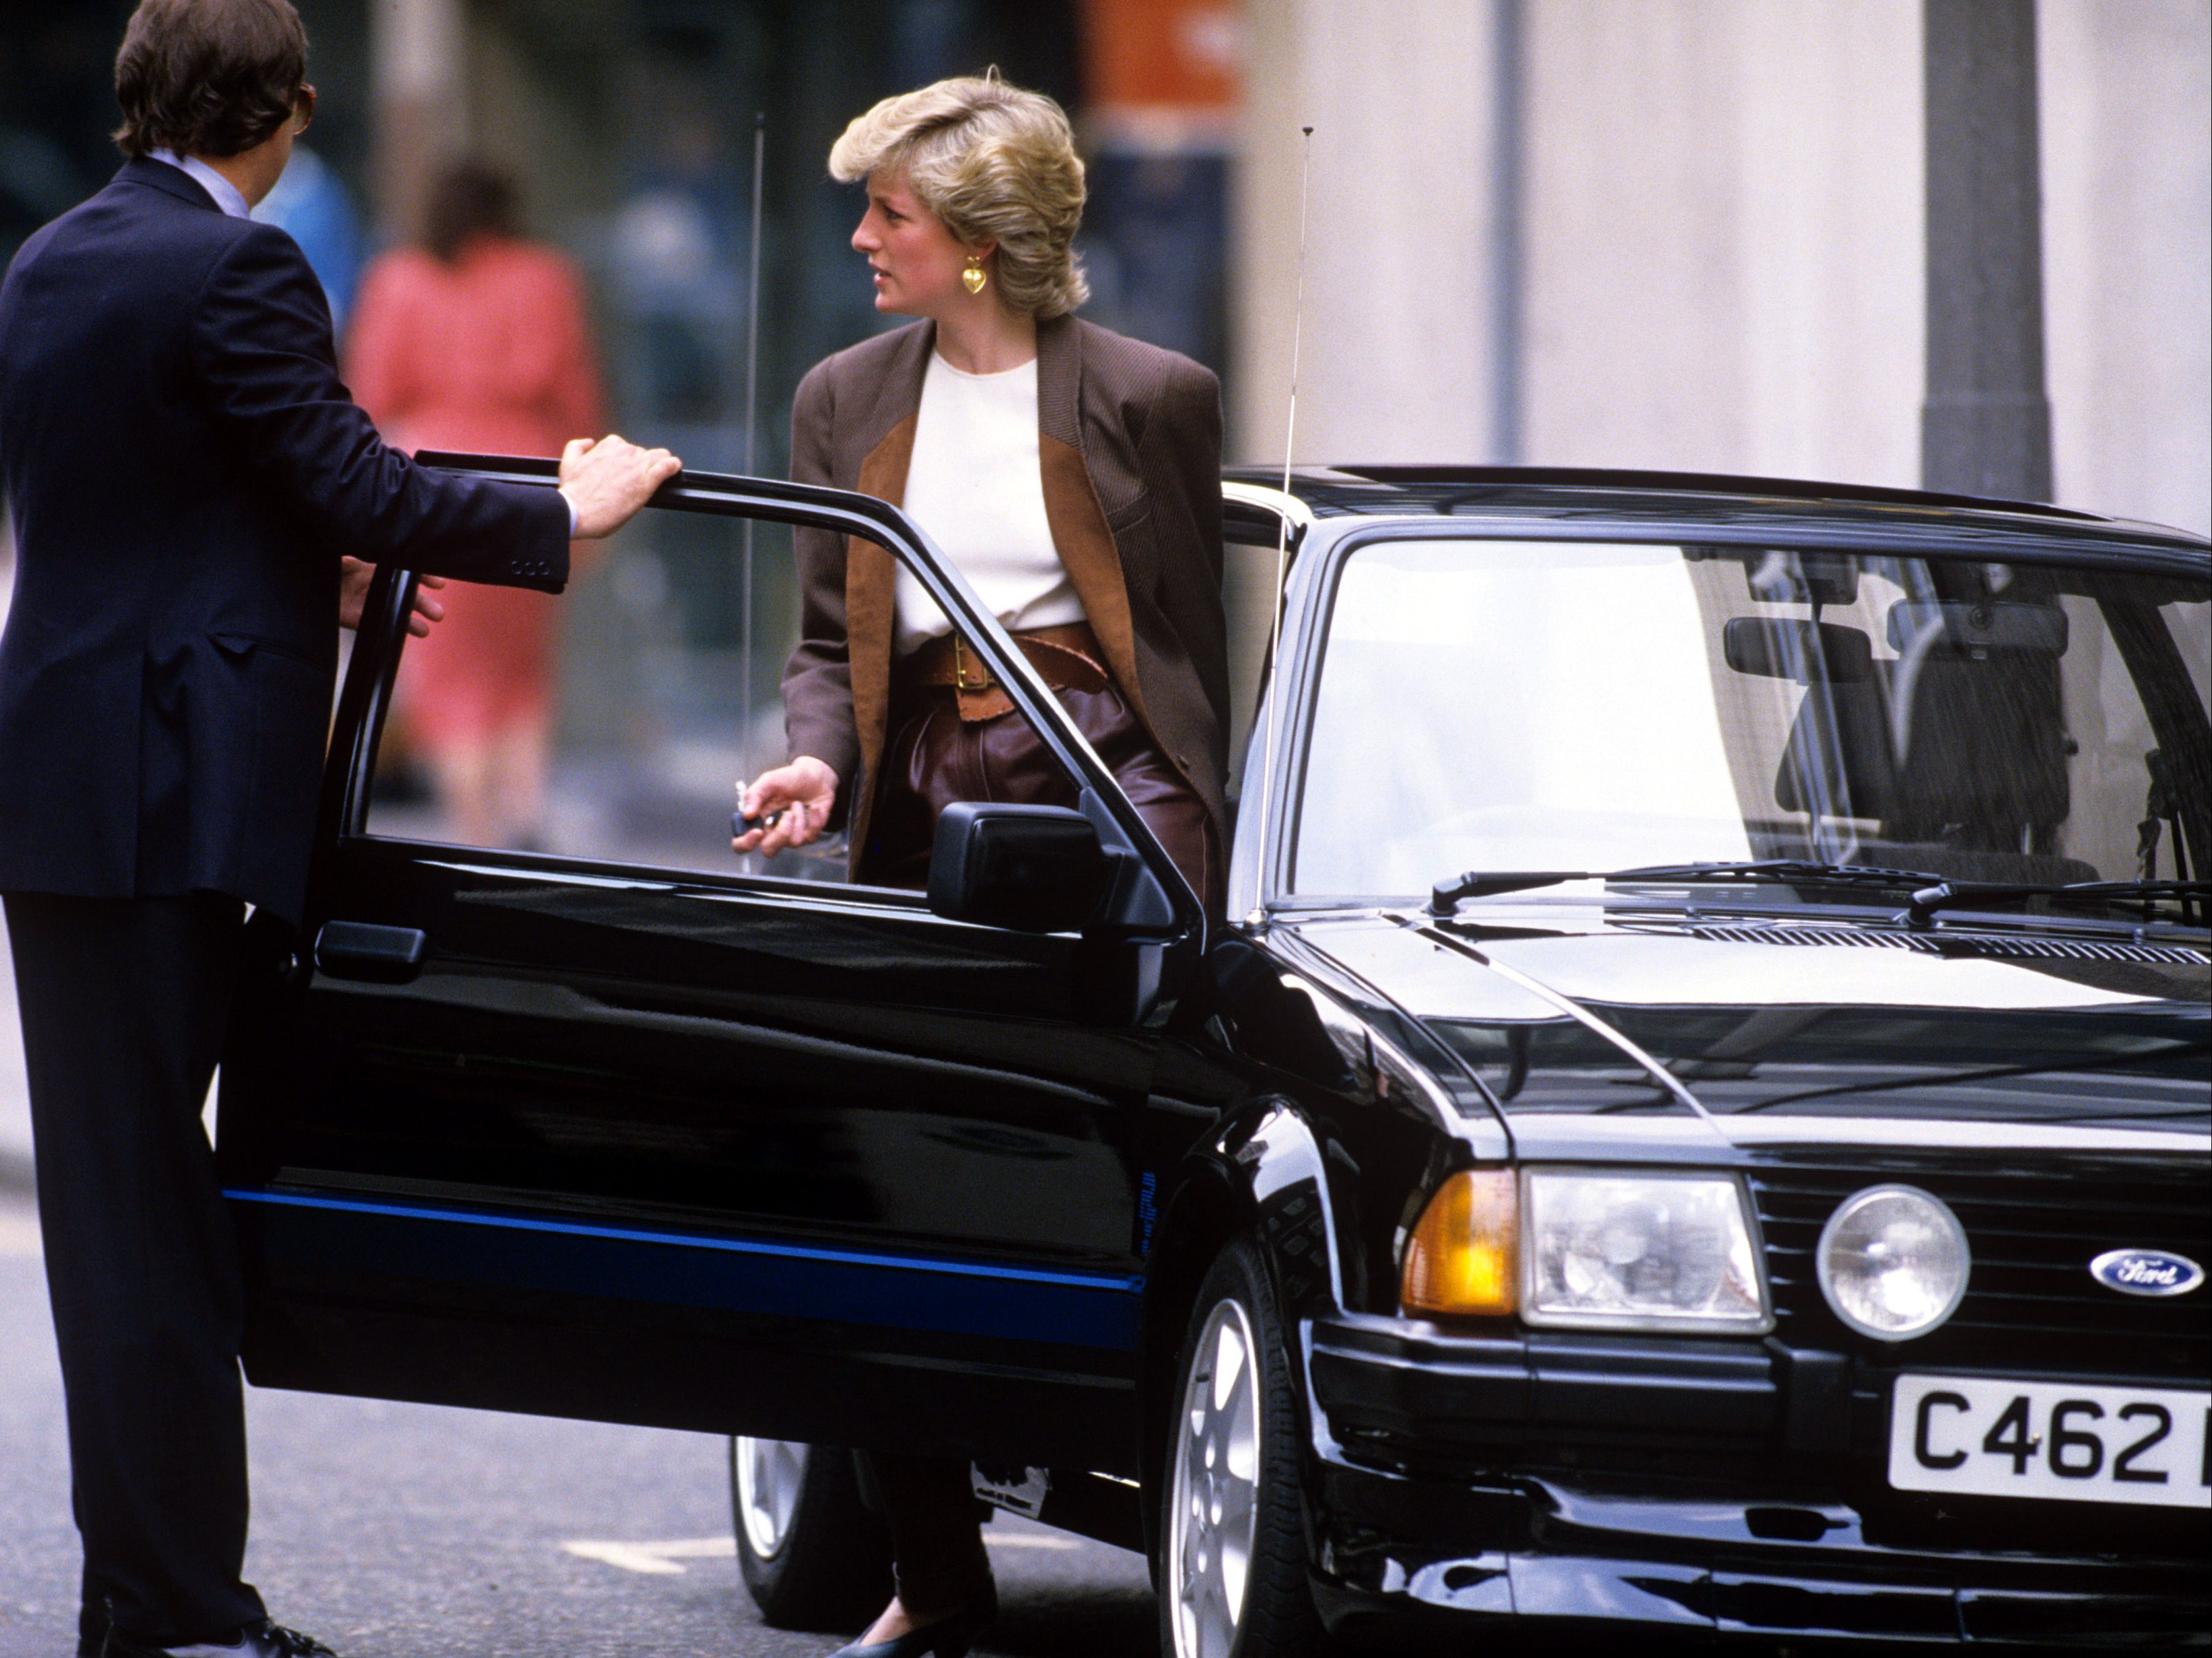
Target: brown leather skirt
{"type": "Point", "coordinates": [935, 757]}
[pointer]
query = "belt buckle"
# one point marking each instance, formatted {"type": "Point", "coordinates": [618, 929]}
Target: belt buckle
{"type": "Point", "coordinates": [960, 670]}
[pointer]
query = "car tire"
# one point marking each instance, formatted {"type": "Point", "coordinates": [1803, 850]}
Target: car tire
{"type": "Point", "coordinates": [811, 1554]}
{"type": "Point", "coordinates": [1230, 1484]}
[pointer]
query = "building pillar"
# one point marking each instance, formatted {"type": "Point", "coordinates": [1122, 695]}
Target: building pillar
{"type": "Point", "coordinates": [1985, 425]}
{"type": "Point", "coordinates": [419, 52]}
{"type": "Point", "coordinates": [1508, 209]}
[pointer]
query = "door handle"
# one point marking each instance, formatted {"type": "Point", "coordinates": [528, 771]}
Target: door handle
{"type": "Point", "coordinates": [362, 950]}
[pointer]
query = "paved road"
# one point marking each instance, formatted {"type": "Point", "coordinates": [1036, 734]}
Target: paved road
{"type": "Point", "coordinates": [405, 1531]}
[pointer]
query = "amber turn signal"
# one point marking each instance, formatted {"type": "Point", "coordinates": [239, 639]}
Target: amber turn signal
{"type": "Point", "coordinates": [1459, 1259]}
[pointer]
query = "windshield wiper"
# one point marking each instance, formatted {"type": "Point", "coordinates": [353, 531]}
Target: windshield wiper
{"type": "Point", "coordinates": [1444, 897]}
{"type": "Point", "coordinates": [1920, 914]}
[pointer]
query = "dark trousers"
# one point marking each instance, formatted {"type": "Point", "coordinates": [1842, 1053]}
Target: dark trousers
{"type": "Point", "coordinates": [124, 1002]}
{"type": "Point", "coordinates": [937, 1540]}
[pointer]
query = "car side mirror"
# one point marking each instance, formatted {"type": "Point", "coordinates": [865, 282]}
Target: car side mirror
{"type": "Point", "coordinates": [1037, 869]}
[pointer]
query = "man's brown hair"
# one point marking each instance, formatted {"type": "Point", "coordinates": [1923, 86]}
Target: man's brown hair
{"type": "Point", "coordinates": [208, 77]}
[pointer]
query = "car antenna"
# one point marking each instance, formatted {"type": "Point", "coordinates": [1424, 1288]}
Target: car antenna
{"type": "Point", "coordinates": [752, 409]}
{"type": "Point", "coordinates": [1283, 532]}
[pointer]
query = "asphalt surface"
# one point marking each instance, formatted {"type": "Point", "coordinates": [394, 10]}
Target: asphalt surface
{"type": "Point", "coordinates": [407, 1531]}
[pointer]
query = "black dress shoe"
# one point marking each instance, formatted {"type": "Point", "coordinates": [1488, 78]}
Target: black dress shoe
{"type": "Point", "coordinates": [262, 1640]}
{"type": "Point", "coordinates": [948, 1637]}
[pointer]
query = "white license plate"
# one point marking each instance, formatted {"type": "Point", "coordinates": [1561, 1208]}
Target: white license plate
{"type": "Point", "coordinates": [1985, 1436]}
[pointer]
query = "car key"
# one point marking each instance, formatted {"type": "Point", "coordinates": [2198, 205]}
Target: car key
{"type": "Point", "coordinates": [740, 824]}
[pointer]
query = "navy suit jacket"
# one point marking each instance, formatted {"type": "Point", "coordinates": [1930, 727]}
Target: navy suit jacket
{"type": "Point", "coordinates": [184, 468]}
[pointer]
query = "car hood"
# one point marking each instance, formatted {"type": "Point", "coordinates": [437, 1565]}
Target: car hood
{"type": "Point", "coordinates": [1671, 1030]}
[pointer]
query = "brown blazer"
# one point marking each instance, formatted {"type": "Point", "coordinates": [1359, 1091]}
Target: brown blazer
{"type": "Point", "coordinates": [1129, 441]}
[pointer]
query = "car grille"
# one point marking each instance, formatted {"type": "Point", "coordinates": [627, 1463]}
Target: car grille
{"type": "Point", "coordinates": [2031, 1304]}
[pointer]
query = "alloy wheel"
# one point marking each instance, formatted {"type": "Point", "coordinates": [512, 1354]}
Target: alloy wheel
{"type": "Point", "coordinates": [1215, 1512]}
{"type": "Point", "coordinates": [770, 1475]}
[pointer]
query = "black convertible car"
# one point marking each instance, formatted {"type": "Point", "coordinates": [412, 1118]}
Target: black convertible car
{"type": "Point", "coordinates": [1700, 1115]}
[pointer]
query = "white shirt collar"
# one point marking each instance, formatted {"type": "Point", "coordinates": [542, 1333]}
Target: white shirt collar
{"type": "Point", "coordinates": [228, 196]}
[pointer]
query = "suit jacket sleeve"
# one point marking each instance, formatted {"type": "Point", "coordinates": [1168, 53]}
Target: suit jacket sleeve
{"type": "Point", "coordinates": [818, 680]}
{"type": "Point", "coordinates": [261, 344]}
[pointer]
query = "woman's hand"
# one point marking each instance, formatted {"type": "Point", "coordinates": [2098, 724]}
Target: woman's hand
{"type": "Point", "coordinates": [799, 796]}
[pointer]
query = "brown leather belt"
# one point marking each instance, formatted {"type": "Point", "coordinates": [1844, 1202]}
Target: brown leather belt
{"type": "Point", "coordinates": [1067, 658]}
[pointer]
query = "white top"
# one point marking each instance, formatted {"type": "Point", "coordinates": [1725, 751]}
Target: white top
{"type": "Point", "coordinates": [228, 196]}
{"type": "Point", "coordinates": [975, 484]}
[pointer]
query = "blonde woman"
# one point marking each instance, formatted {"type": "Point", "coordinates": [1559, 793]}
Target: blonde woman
{"type": "Point", "coordinates": [1073, 476]}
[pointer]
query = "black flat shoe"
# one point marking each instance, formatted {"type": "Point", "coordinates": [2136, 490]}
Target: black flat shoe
{"type": "Point", "coordinates": [948, 1637]}
{"type": "Point", "coordinates": [262, 1640]}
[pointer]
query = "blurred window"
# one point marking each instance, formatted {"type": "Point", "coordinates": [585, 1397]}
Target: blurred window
{"type": "Point", "coordinates": [664, 690]}
{"type": "Point", "coordinates": [668, 691]}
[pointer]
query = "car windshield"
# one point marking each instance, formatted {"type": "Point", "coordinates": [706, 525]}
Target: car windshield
{"type": "Point", "coordinates": [1500, 706]}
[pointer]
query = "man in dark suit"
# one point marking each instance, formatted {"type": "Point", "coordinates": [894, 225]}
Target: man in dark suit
{"type": "Point", "coordinates": [195, 499]}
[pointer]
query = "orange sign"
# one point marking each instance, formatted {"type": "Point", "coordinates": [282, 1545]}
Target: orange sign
{"type": "Point", "coordinates": [1161, 54]}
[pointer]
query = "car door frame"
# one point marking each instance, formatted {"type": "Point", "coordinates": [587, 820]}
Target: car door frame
{"type": "Point", "coordinates": [1172, 911]}
{"type": "Point", "coordinates": [1158, 937]}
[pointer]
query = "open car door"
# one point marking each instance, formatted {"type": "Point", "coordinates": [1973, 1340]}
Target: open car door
{"type": "Point", "coordinates": [658, 1140]}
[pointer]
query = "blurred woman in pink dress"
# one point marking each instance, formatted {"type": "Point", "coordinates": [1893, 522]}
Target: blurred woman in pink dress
{"type": "Point", "coordinates": [478, 340]}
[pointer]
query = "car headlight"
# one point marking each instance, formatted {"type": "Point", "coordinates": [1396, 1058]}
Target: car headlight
{"type": "Point", "coordinates": [1639, 1252]}
{"type": "Point", "coordinates": [1892, 1262]}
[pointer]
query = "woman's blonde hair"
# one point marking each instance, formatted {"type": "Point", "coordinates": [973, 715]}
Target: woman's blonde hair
{"type": "Point", "coordinates": [995, 163]}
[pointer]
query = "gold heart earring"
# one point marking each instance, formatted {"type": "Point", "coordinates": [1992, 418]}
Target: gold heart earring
{"type": "Point", "coordinates": [973, 277]}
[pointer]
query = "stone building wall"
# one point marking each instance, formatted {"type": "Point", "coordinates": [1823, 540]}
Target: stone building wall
{"type": "Point", "coordinates": [1722, 237]}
